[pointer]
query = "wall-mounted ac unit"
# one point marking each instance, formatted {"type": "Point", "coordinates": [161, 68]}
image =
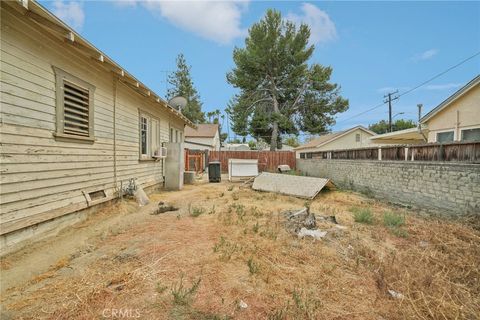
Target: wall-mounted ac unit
{"type": "Point", "coordinates": [160, 153]}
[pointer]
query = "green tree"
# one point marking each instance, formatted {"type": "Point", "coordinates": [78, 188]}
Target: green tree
{"type": "Point", "coordinates": [383, 127]}
{"type": "Point", "coordinates": [291, 141]}
{"type": "Point", "coordinates": [280, 93]}
{"type": "Point", "coordinates": [182, 85]}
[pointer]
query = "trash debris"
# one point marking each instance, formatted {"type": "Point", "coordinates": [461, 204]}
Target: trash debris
{"type": "Point", "coordinates": [298, 186]}
{"type": "Point", "coordinates": [316, 234]}
{"type": "Point", "coordinates": [283, 168]}
{"type": "Point", "coordinates": [164, 207]}
{"type": "Point", "coordinates": [141, 196]}
{"type": "Point", "coordinates": [297, 219]}
{"type": "Point", "coordinates": [331, 219]}
{"type": "Point", "coordinates": [242, 304]}
{"type": "Point", "coordinates": [396, 295]}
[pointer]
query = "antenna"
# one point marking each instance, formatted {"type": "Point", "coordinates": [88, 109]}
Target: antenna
{"type": "Point", "coordinates": [178, 103]}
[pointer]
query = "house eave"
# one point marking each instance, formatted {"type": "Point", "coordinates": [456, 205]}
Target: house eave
{"type": "Point", "coordinates": [38, 14]}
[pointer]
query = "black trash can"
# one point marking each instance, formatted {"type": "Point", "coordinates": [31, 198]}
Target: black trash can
{"type": "Point", "coordinates": [214, 171]}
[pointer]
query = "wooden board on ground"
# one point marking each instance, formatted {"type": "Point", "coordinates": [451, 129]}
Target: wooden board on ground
{"type": "Point", "coordinates": [298, 186]}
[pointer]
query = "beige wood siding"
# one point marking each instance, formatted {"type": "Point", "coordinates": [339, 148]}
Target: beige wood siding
{"type": "Point", "coordinates": [42, 178]}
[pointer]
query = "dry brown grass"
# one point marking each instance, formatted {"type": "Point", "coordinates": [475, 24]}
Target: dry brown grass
{"type": "Point", "coordinates": [238, 250]}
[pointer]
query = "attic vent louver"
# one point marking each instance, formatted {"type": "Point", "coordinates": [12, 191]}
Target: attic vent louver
{"type": "Point", "coordinates": [76, 109]}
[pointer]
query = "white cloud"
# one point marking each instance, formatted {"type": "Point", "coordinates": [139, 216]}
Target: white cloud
{"type": "Point", "coordinates": [321, 26]}
{"type": "Point", "coordinates": [71, 12]}
{"type": "Point", "coordinates": [426, 55]}
{"type": "Point", "coordinates": [445, 86]}
{"type": "Point", "coordinates": [219, 21]}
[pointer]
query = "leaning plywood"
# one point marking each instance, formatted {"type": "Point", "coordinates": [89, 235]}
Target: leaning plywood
{"type": "Point", "coordinates": [298, 186]}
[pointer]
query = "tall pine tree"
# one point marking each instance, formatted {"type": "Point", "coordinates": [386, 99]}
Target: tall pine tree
{"type": "Point", "coordinates": [182, 85]}
{"type": "Point", "coordinates": [280, 92]}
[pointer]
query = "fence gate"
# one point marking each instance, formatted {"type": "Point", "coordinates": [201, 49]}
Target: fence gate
{"type": "Point", "coordinates": [195, 160]}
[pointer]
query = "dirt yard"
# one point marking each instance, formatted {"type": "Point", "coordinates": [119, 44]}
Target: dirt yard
{"type": "Point", "coordinates": [227, 255]}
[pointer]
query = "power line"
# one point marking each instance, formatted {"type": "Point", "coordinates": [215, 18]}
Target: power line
{"type": "Point", "coordinates": [414, 88]}
{"type": "Point", "coordinates": [440, 74]}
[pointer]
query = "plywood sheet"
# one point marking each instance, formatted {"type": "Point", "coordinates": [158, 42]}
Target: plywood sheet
{"type": "Point", "coordinates": [298, 186]}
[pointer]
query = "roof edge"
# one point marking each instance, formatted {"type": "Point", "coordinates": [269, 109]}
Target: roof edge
{"type": "Point", "coordinates": [337, 136]}
{"type": "Point", "coordinates": [54, 21]}
{"type": "Point", "coordinates": [445, 103]}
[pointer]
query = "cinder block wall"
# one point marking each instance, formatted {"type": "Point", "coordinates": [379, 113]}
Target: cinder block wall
{"type": "Point", "coordinates": [452, 188]}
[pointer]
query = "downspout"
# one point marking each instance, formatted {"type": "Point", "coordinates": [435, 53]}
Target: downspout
{"type": "Point", "coordinates": [115, 85]}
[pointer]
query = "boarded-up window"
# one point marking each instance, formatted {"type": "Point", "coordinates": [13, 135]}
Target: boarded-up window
{"type": "Point", "coordinates": [74, 104]}
{"type": "Point", "coordinates": [357, 137]}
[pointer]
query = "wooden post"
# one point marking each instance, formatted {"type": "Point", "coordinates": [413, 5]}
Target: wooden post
{"type": "Point", "coordinates": [380, 154]}
{"type": "Point", "coordinates": [406, 153]}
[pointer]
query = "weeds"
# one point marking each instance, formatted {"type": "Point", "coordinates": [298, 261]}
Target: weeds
{"type": "Point", "coordinates": [393, 220]}
{"type": "Point", "coordinates": [226, 249]}
{"type": "Point", "coordinates": [160, 288]}
{"type": "Point", "coordinates": [221, 194]}
{"type": "Point", "coordinates": [212, 211]}
{"type": "Point", "coordinates": [362, 215]}
{"type": "Point", "coordinates": [256, 227]}
{"type": "Point", "coordinates": [184, 296]}
{"type": "Point", "coordinates": [235, 196]}
{"type": "Point", "coordinates": [195, 211]}
{"type": "Point", "coordinates": [230, 188]}
{"type": "Point", "coordinates": [253, 267]}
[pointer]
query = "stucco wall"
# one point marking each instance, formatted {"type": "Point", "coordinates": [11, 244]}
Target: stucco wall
{"type": "Point", "coordinates": [437, 187]}
{"type": "Point", "coordinates": [468, 107]}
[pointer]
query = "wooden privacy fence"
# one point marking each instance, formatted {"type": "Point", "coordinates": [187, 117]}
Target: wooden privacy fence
{"type": "Point", "coordinates": [267, 160]}
{"type": "Point", "coordinates": [454, 151]}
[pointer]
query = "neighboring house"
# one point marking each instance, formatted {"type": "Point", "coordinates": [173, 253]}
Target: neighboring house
{"type": "Point", "coordinates": [356, 137]}
{"type": "Point", "coordinates": [205, 137]}
{"type": "Point", "coordinates": [235, 147]}
{"type": "Point", "coordinates": [455, 119]}
{"type": "Point", "coordinates": [75, 126]}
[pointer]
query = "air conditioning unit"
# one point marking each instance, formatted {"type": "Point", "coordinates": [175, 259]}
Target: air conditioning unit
{"type": "Point", "coordinates": [160, 153]}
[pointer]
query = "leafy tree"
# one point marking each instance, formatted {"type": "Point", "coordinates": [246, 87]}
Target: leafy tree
{"type": "Point", "coordinates": [280, 93]}
{"type": "Point", "coordinates": [235, 140]}
{"type": "Point", "coordinates": [383, 127]}
{"type": "Point", "coordinates": [182, 85]}
{"type": "Point", "coordinates": [291, 141]}
{"type": "Point", "coordinates": [252, 145]}
{"type": "Point", "coordinates": [223, 136]}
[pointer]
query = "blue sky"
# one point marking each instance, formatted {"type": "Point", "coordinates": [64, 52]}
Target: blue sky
{"type": "Point", "coordinates": [373, 47]}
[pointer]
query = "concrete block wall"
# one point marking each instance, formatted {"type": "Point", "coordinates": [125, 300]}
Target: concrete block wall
{"type": "Point", "coordinates": [452, 188]}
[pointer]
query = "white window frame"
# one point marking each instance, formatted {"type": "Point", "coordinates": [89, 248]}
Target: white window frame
{"type": "Point", "coordinates": [147, 117]}
{"type": "Point", "coordinates": [150, 123]}
{"type": "Point", "coordinates": [358, 137]}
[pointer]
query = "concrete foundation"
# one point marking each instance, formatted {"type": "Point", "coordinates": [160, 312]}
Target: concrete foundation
{"type": "Point", "coordinates": [16, 240]}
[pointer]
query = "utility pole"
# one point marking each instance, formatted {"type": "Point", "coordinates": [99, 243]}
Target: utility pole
{"type": "Point", "coordinates": [388, 98]}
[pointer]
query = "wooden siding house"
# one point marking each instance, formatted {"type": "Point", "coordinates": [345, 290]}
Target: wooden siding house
{"type": "Point", "coordinates": [74, 124]}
